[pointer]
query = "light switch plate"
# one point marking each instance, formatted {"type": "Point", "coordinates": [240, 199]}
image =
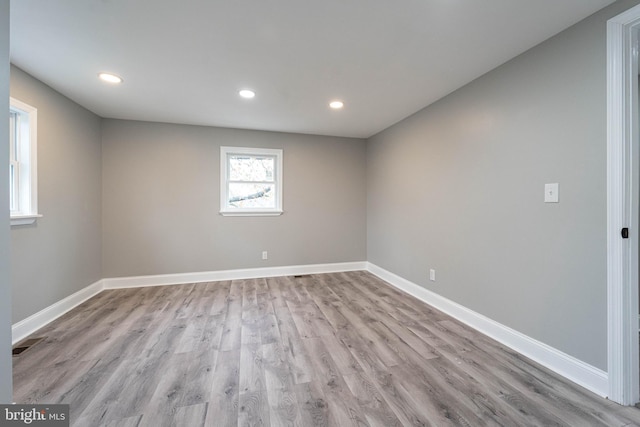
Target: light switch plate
{"type": "Point", "coordinates": [551, 193]}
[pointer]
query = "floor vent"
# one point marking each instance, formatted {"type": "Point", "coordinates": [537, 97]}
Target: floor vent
{"type": "Point", "coordinates": [26, 345]}
{"type": "Point", "coordinates": [301, 276]}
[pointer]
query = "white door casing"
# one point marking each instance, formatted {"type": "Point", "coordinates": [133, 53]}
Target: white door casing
{"type": "Point", "coordinates": [622, 206]}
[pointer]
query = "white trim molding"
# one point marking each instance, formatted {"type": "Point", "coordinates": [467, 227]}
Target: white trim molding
{"type": "Point", "coordinates": [27, 155]}
{"type": "Point", "coordinates": [31, 324]}
{"type": "Point", "coordinates": [226, 208]}
{"type": "Point", "coordinates": [573, 369]}
{"type": "Point", "coordinates": [581, 373]}
{"type": "Point", "coordinates": [24, 219]}
{"type": "Point", "coordinates": [216, 276]}
{"type": "Point", "coordinates": [622, 210]}
{"type": "Point", "coordinates": [26, 327]}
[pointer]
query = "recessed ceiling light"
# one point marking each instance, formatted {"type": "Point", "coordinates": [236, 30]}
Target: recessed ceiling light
{"type": "Point", "coordinates": [110, 78]}
{"type": "Point", "coordinates": [336, 105]}
{"type": "Point", "coordinates": [246, 93]}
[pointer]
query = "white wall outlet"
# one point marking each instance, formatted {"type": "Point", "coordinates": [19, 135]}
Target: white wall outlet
{"type": "Point", "coordinates": [551, 193]}
{"type": "Point", "coordinates": [265, 255]}
{"type": "Point", "coordinates": [432, 275]}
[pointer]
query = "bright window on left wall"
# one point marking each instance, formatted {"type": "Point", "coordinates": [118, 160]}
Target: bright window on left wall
{"type": "Point", "coordinates": [23, 177]}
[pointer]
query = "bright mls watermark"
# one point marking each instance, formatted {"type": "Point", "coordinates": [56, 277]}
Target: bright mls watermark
{"type": "Point", "coordinates": [34, 415]}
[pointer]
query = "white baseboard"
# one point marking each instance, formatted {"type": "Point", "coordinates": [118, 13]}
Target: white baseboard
{"type": "Point", "coordinates": [26, 327]}
{"type": "Point", "coordinates": [579, 372]}
{"type": "Point", "coordinates": [568, 366]}
{"type": "Point", "coordinates": [216, 276]}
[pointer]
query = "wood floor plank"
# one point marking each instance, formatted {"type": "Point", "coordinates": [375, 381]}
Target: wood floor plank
{"type": "Point", "coordinates": [223, 404]}
{"type": "Point", "coordinates": [281, 291]}
{"type": "Point", "coordinates": [250, 309]}
{"type": "Point", "coordinates": [85, 390]}
{"type": "Point", "coordinates": [284, 409]}
{"type": "Point", "coordinates": [479, 376]}
{"type": "Point", "coordinates": [277, 288]}
{"type": "Point", "coordinates": [193, 333]}
{"type": "Point", "coordinates": [334, 349]}
{"type": "Point", "coordinates": [376, 409]}
{"type": "Point", "coordinates": [125, 422]}
{"type": "Point", "coordinates": [407, 409]}
{"type": "Point", "coordinates": [167, 396]}
{"type": "Point", "coordinates": [234, 299]}
{"type": "Point", "coordinates": [372, 355]}
{"type": "Point", "coordinates": [219, 297]}
{"type": "Point", "coordinates": [313, 407]}
{"type": "Point", "coordinates": [192, 415]}
{"type": "Point", "coordinates": [254, 409]}
{"type": "Point", "coordinates": [232, 333]}
{"type": "Point", "coordinates": [43, 385]}
{"type": "Point", "coordinates": [329, 311]}
{"type": "Point", "coordinates": [277, 374]}
{"type": "Point", "coordinates": [299, 288]}
{"type": "Point", "coordinates": [200, 375]}
{"type": "Point", "coordinates": [391, 329]}
{"type": "Point", "coordinates": [212, 335]}
{"type": "Point", "coordinates": [250, 331]}
{"type": "Point", "coordinates": [310, 321]}
{"type": "Point", "coordinates": [299, 364]}
{"type": "Point", "coordinates": [262, 287]}
{"type": "Point", "coordinates": [252, 377]}
{"type": "Point", "coordinates": [390, 348]}
{"type": "Point", "coordinates": [438, 403]}
{"type": "Point", "coordinates": [532, 383]}
{"type": "Point", "coordinates": [342, 403]}
{"type": "Point", "coordinates": [195, 302]}
{"type": "Point", "coordinates": [269, 332]}
{"type": "Point", "coordinates": [340, 354]}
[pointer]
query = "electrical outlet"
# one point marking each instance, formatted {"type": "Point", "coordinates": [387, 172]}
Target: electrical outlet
{"type": "Point", "coordinates": [551, 193]}
{"type": "Point", "coordinates": [265, 255]}
{"type": "Point", "coordinates": [432, 275]}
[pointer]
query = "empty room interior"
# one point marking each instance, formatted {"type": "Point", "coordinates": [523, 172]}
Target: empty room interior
{"type": "Point", "coordinates": [316, 213]}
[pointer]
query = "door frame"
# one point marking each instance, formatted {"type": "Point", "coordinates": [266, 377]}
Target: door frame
{"type": "Point", "coordinates": [623, 193]}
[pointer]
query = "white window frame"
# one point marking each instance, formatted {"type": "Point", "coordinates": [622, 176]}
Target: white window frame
{"type": "Point", "coordinates": [26, 162]}
{"type": "Point", "coordinates": [225, 208]}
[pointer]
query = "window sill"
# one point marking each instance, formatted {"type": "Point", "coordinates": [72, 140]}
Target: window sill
{"type": "Point", "coordinates": [24, 219]}
{"type": "Point", "coordinates": [251, 213]}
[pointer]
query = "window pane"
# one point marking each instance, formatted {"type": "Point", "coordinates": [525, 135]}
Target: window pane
{"type": "Point", "coordinates": [12, 188]}
{"type": "Point", "coordinates": [251, 168]}
{"type": "Point", "coordinates": [252, 195]}
{"type": "Point", "coordinates": [13, 136]}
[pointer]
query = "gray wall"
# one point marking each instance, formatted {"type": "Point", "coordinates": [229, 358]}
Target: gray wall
{"type": "Point", "coordinates": [6, 389]}
{"type": "Point", "coordinates": [161, 201]}
{"type": "Point", "coordinates": [60, 254]}
{"type": "Point", "coordinates": [458, 187]}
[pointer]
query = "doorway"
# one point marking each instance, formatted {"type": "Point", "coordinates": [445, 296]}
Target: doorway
{"type": "Point", "coordinates": [623, 213]}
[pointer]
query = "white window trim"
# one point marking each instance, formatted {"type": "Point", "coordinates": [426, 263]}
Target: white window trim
{"type": "Point", "coordinates": [30, 215]}
{"type": "Point", "coordinates": [225, 210]}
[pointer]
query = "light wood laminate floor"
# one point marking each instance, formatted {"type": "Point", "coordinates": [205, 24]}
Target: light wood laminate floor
{"type": "Point", "coordinates": [341, 349]}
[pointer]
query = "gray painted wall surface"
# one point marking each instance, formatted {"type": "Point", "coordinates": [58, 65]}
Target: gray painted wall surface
{"type": "Point", "coordinates": [61, 253]}
{"type": "Point", "coordinates": [161, 201]}
{"type": "Point", "coordinates": [6, 382]}
{"type": "Point", "coordinates": [459, 186]}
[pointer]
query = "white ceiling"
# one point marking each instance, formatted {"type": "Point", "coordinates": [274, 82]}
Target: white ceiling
{"type": "Point", "coordinates": [183, 61]}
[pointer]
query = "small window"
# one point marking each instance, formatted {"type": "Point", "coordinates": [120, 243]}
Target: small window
{"type": "Point", "coordinates": [250, 181]}
{"type": "Point", "coordinates": [23, 181]}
